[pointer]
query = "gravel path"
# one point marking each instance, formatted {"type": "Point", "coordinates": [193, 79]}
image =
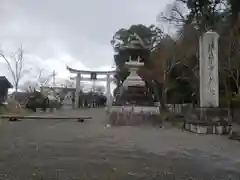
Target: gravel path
{"type": "Point", "coordinates": [66, 149]}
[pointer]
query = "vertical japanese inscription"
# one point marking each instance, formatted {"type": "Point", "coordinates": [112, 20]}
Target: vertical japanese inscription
{"type": "Point", "coordinates": [211, 80]}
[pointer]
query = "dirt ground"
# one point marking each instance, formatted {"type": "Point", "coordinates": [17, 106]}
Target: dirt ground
{"type": "Point", "coordinates": [69, 150]}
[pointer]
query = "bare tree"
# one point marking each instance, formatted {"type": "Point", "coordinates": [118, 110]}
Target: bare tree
{"type": "Point", "coordinates": [43, 77]}
{"type": "Point", "coordinates": [15, 66]}
{"type": "Point", "coordinates": [230, 50]}
{"type": "Point", "coordinates": [38, 81]}
{"type": "Point", "coordinates": [174, 14]}
{"type": "Point", "coordinates": [28, 86]}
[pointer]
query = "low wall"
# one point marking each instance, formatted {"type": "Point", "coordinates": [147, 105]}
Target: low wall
{"type": "Point", "coordinates": [130, 119]}
{"type": "Point", "coordinates": [179, 108]}
{"type": "Point", "coordinates": [133, 115]}
{"type": "Point", "coordinates": [135, 109]}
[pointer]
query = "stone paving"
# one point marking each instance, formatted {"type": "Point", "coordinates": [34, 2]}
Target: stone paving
{"type": "Point", "coordinates": [66, 149]}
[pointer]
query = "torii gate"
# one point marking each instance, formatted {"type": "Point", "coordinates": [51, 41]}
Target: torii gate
{"type": "Point", "coordinates": [93, 76]}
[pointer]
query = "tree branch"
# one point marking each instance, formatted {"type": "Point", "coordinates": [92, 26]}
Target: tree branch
{"type": "Point", "coordinates": [9, 66]}
{"type": "Point", "coordinates": [15, 69]}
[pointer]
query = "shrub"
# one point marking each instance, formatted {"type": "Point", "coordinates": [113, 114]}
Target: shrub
{"type": "Point", "coordinates": [12, 107]}
{"type": "Point", "coordinates": [234, 102]}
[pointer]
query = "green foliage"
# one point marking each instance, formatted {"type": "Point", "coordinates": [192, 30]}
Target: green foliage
{"type": "Point", "coordinates": [121, 38]}
{"type": "Point", "coordinates": [233, 102]}
{"type": "Point", "coordinates": [149, 35]}
{"type": "Point", "coordinates": [181, 81]}
{"type": "Point", "coordinates": [223, 102]}
{"type": "Point", "coordinates": [202, 13]}
{"type": "Point", "coordinates": [12, 107]}
{"type": "Point", "coordinates": [235, 10]}
{"type": "Point", "coordinates": [37, 100]}
{"type": "Point", "coordinates": [146, 33]}
{"type": "Point", "coordinates": [2, 109]}
{"type": "Point", "coordinates": [236, 101]}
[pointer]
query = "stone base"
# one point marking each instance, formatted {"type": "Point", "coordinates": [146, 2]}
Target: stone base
{"type": "Point", "coordinates": [235, 136]}
{"type": "Point", "coordinates": [219, 128]}
{"type": "Point", "coordinates": [208, 121]}
{"type": "Point", "coordinates": [210, 114]}
{"type": "Point", "coordinates": [124, 119]}
{"type": "Point", "coordinates": [133, 115]}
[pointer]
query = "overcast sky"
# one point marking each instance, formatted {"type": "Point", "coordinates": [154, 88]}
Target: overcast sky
{"type": "Point", "coordinates": [76, 32]}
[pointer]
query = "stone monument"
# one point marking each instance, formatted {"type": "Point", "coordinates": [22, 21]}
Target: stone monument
{"type": "Point", "coordinates": [210, 119]}
{"type": "Point", "coordinates": [209, 83]}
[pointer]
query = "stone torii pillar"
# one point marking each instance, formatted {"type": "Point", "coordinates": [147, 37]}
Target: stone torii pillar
{"type": "Point", "coordinates": [78, 79]}
{"type": "Point", "coordinates": [108, 93]}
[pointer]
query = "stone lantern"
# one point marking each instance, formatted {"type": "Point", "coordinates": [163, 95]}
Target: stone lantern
{"type": "Point", "coordinates": [134, 96]}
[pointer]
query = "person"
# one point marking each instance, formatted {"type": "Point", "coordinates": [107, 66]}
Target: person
{"type": "Point", "coordinates": [85, 103]}
{"type": "Point", "coordinates": [73, 101]}
{"type": "Point", "coordinates": [80, 103]}
{"type": "Point", "coordinates": [45, 104]}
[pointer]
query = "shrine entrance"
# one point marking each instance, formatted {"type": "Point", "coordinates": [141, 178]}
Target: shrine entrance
{"type": "Point", "coordinates": [93, 77]}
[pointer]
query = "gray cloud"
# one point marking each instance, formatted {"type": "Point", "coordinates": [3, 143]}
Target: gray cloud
{"type": "Point", "coordinates": [71, 30]}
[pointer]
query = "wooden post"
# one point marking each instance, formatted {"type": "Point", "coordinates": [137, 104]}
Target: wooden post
{"type": "Point", "coordinates": [78, 79]}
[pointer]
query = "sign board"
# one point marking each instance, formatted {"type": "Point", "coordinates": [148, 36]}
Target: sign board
{"type": "Point", "coordinates": [93, 76]}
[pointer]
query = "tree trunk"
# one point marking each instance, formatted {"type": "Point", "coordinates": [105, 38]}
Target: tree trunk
{"type": "Point", "coordinates": [163, 98]}
{"type": "Point", "coordinates": [159, 98]}
{"type": "Point", "coordinates": [238, 90]}
{"type": "Point", "coordinates": [16, 86]}
{"type": "Point", "coordinates": [229, 107]}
